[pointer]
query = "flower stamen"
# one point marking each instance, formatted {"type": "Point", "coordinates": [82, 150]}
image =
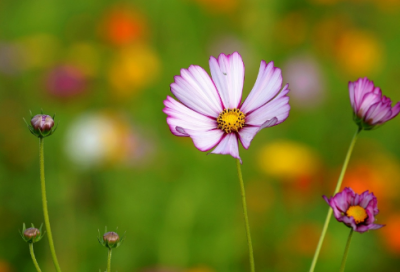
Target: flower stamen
{"type": "Point", "coordinates": [231, 120]}
{"type": "Point", "coordinates": [358, 213]}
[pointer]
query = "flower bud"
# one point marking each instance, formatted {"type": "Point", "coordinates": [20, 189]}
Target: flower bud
{"type": "Point", "coordinates": [31, 233]}
{"type": "Point", "coordinates": [42, 125]}
{"type": "Point", "coordinates": [110, 239]}
{"type": "Point", "coordinates": [42, 122]}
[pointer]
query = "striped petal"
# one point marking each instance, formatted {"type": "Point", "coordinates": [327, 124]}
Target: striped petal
{"type": "Point", "coordinates": [267, 86]}
{"type": "Point", "coordinates": [228, 75]}
{"type": "Point", "coordinates": [228, 146]}
{"type": "Point", "coordinates": [195, 89]}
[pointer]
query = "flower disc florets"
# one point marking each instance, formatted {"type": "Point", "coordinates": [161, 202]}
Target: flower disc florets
{"type": "Point", "coordinates": [355, 211]}
{"type": "Point", "coordinates": [231, 120]}
{"type": "Point", "coordinates": [42, 125]}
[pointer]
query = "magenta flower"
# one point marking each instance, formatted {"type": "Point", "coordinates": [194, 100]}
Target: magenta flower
{"type": "Point", "coordinates": [355, 211]}
{"type": "Point", "coordinates": [211, 112]}
{"type": "Point", "coordinates": [369, 106]}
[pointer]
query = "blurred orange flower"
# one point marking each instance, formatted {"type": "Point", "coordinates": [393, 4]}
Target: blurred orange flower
{"type": "Point", "coordinates": [391, 234]}
{"type": "Point", "coordinates": [122, 26]}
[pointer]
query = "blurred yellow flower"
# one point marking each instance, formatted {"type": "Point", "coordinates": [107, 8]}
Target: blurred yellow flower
{"type": "Point", "coordinates": [134, 68]}
{"type": "Point", "coordinates": [288, 160]}
{"type": "Point", "coordinates": [359, 52]}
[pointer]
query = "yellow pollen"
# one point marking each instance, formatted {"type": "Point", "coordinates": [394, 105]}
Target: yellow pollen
{"type": "Point", "coordinates": [358, 213]}
{"type": "Point", "coordinates": [231, 120]}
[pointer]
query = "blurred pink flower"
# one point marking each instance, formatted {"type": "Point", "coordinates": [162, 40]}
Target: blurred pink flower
{"type": "Point", "coordinates": [305, 77]}
{"type": "Point", "coordinates": [211, 112]}
{"type": "Point", "coordinates": [369, 106]}
{"type": "Point", "coordinates": [65, 81]}
{"type": "Point", "coordinates": [355, 211]}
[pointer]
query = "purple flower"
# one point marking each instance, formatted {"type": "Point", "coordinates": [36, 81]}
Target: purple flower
{"type": "Point", "coordinates": [356, 211]}
{"type": "Point", "coordinates": [369, 106]}
{"type": "Point", "coordinates": [211, 112]}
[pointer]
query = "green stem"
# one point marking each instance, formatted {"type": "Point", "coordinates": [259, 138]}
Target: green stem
{"type": "Point", "coordinates": [246, 219]}
{"type": "Point", "coordinates": [346, 251]}
{"type": "Point", "coordinates": [109, 260]}
{"type": "Point", "coordinates": [33, 257]}
{"type": "Point", "coordinates": [338, 185]}
{"type": "Point", "coordinates": [45, 210]}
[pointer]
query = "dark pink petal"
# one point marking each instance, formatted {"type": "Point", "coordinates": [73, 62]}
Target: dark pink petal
{"type": "Point", "coordinates": [378, 113]}
{"type": "Point", "coordinates": [368, 100]}
{"type": "Point", "coordinates": [277, 108]}
{"type": "Point", "coordinates": [228, 75]}
{"type": "Point", "coordinates": [349, 221]}
{"type": "Point", "coordinates": [362, 228]}
{"type": "Point", "coordinates": [181, 116]}
{"type": "Point", "coordinates": [375, 226]}
{"type": "Point", "coordinates": [395, 111]}
{"type": "Point", "coordinates": [361, 87]}
{"type": "Point", "coordinates": [366, 198]}
{"type": "Point", "coordinates": [195, 89]}
{"type": "Point", "coordinates": [267, 86]}
{"type": "Point", "coordinates": [228, 145]}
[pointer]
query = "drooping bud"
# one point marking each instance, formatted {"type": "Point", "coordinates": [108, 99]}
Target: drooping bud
{"type": "Point", "coordinates": [31, 235]}
{"type": "Point", "coordinates": [110, 239]}
{"type": "Point", "coordinates": [42, 125]}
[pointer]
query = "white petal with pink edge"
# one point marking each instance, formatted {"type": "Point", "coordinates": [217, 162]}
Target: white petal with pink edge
{"type": "Point", "coordinates": [268, 84]}
{"type": "Point", "coordinates": [277, 108]}
{"type": "Point", "coordinates": [181, 116]}
{"type": "Point", "coordinates": [228, 145]}
{"type": "Point", "coordinates": [205, 140]}
{"type": "Point", "coordinates": [228, 75]}
{"type": "Point", "coordinates": [195, 89]}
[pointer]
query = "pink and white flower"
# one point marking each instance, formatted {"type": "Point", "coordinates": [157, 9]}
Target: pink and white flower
{"type": "Point", "coordinates": [211, 111]}
{"type": "Point", "coordinates": [370, 107]}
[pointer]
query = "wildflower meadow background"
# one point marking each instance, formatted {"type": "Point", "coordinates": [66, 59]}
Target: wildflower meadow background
{"type": "Point", "coordinates": [104, 68]}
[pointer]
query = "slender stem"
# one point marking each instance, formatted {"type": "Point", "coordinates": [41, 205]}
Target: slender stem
{"type": "Point", "coordinates": [109, 260]}
{"type": "Point", "coordinates": [346, 251]}
{"type": "Point", "coordinates": [33, 257]}
{"type": "Point", "coordinates": [338, 185]}
{"type": "Point", "coordinates": [45, 210]}
{"type": "Point", "coordinates": [246, 219]}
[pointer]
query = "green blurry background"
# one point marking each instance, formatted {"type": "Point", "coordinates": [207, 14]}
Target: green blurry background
{"type": "Point", "coordinates": [104, 67]}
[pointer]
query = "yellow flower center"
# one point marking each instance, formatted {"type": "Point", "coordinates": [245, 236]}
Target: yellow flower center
{"type": "Point", "coordinates": [231, 120]}
{"type": "Point", "coordinates": [358, 213]}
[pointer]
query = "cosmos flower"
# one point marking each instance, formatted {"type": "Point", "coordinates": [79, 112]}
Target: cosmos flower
{"type": "Point", "coordinates": [355, 211]}
{"type": "Point", "coordinates": [369, 106]}
{"type": "Point", "coordinates": [210, 110]}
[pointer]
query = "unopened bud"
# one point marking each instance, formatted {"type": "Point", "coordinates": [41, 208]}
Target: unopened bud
{"type": "Point", "coordinates": [42, 125]}
{"type": "Point", "coordinates": [42, 122]}
{"type": "Point", "coordinates": [111, 238]}
{"type": "Point", "coordinates": [31, 233]}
